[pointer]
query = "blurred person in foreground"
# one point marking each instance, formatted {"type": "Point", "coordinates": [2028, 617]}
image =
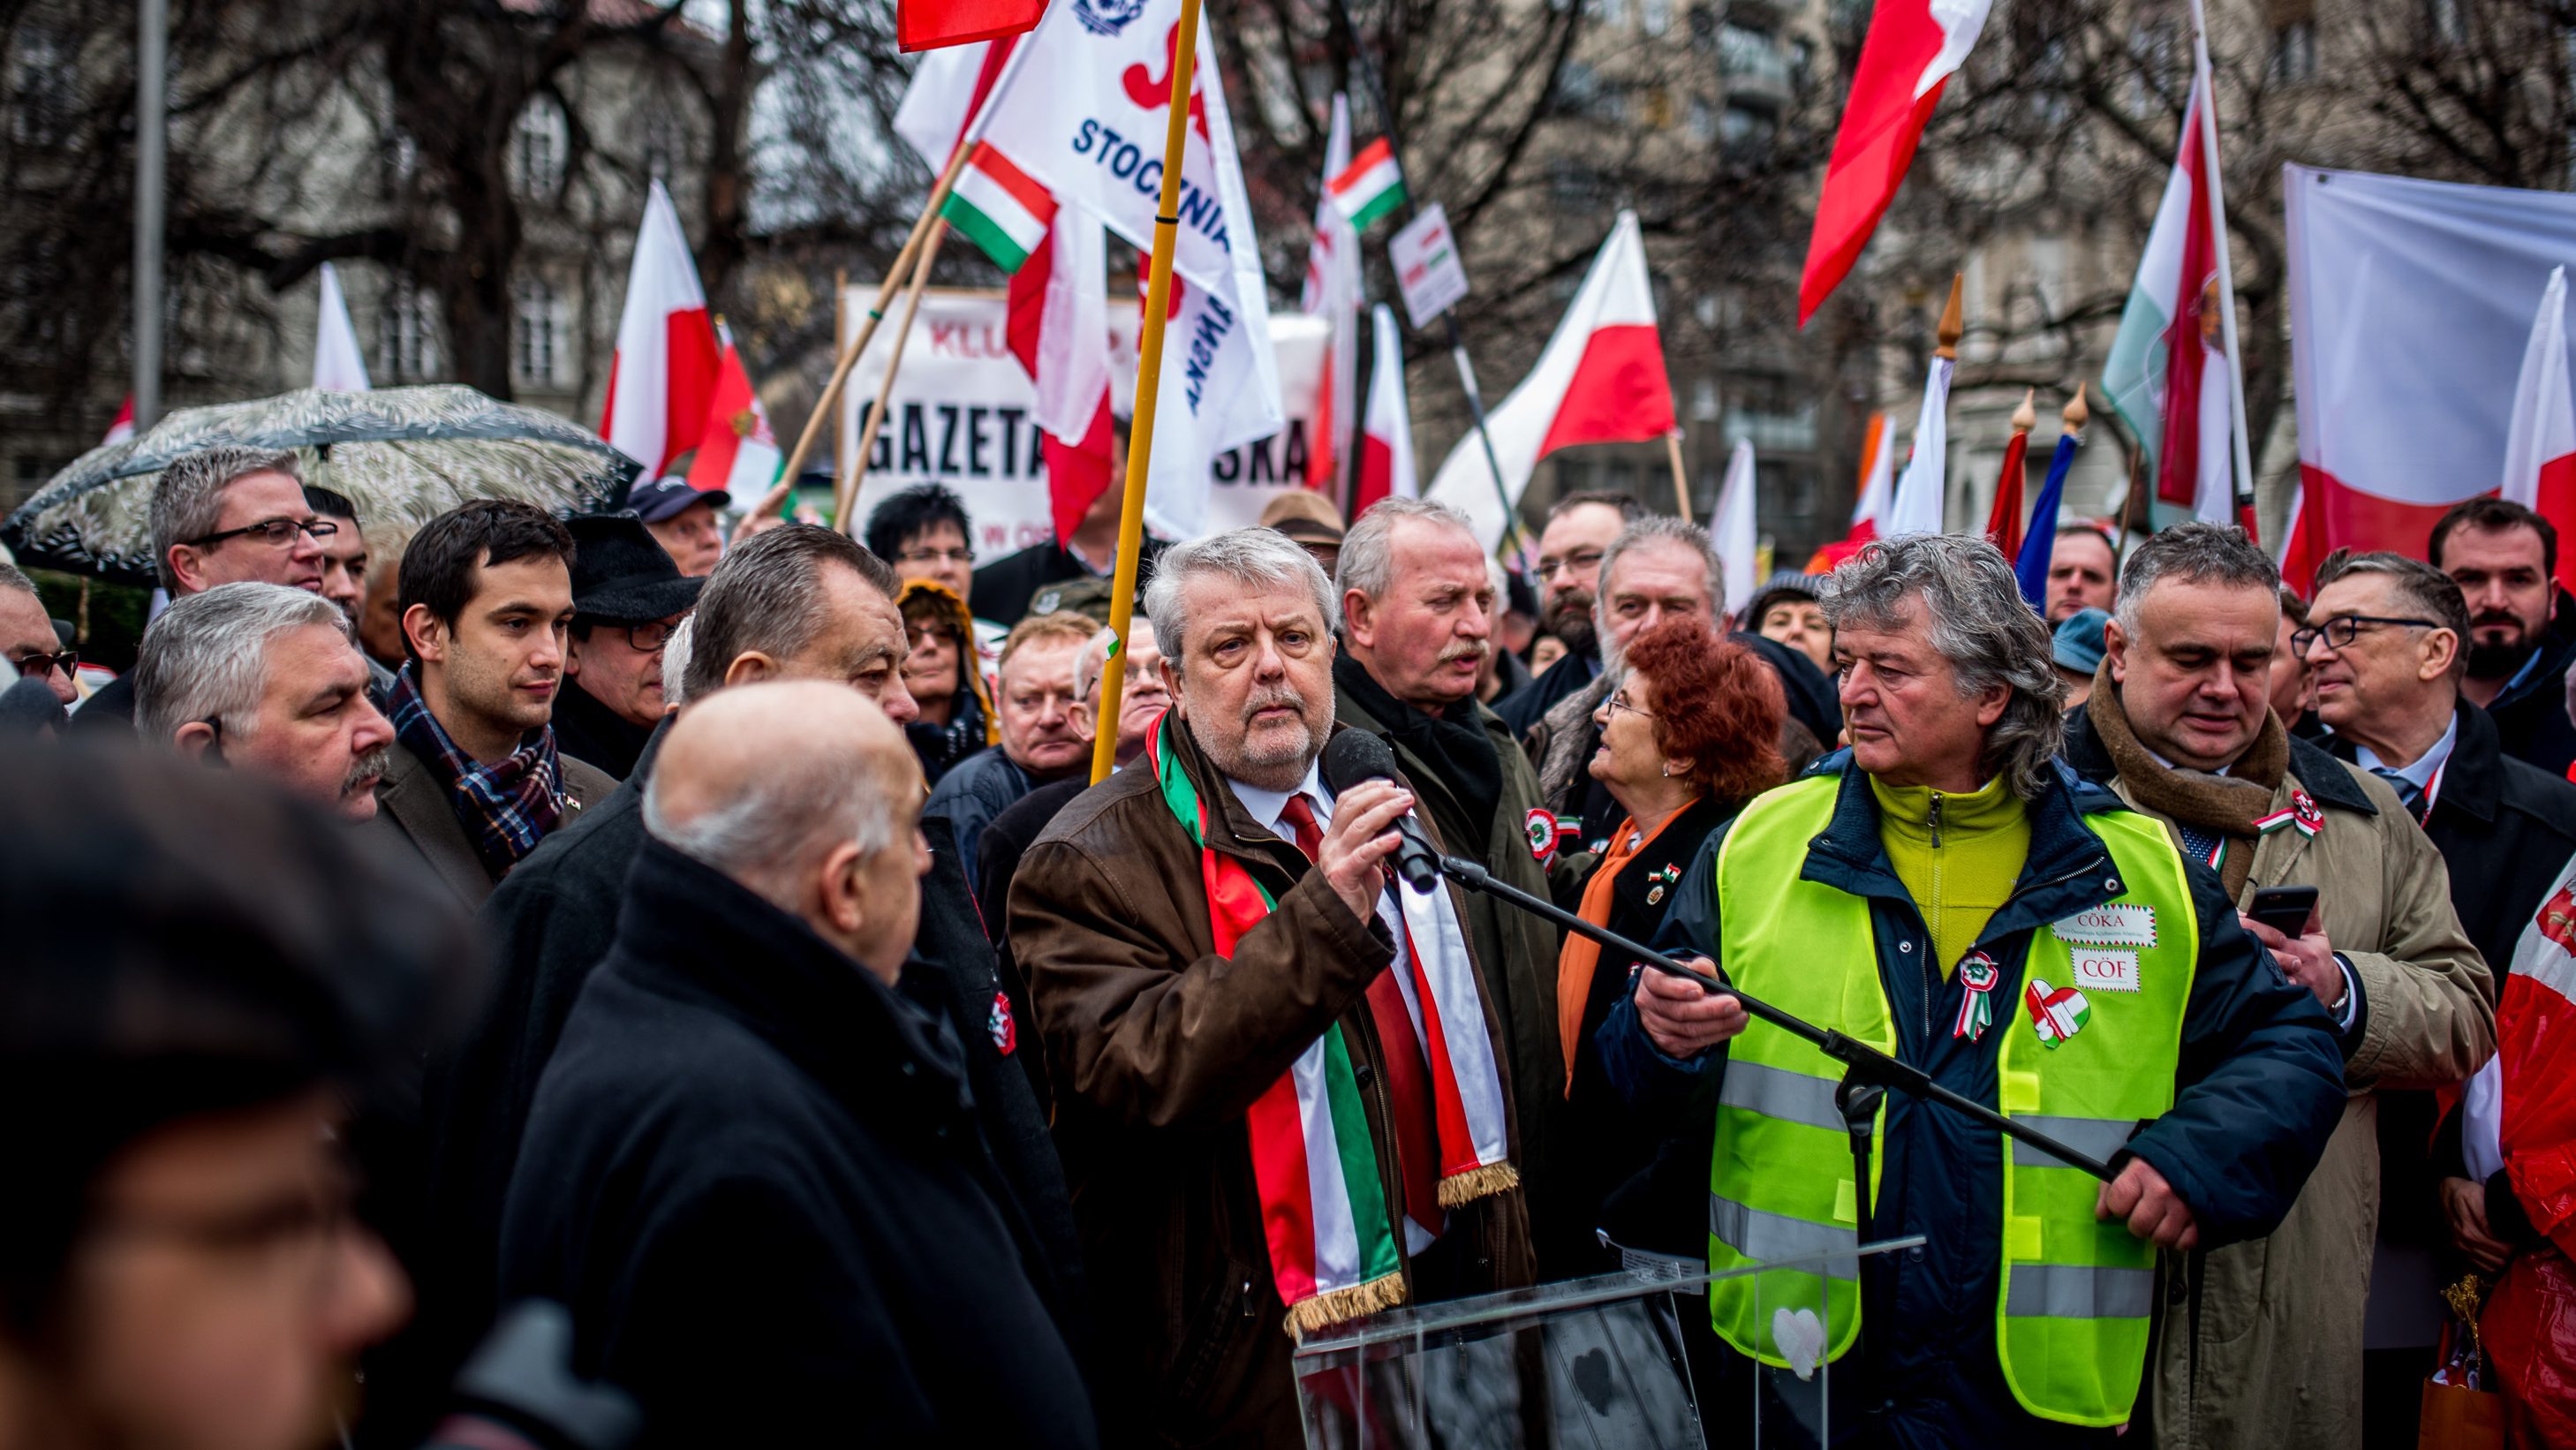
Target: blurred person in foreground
{"type": "Point", "coordinates": [1204, 932]}
{"type": "Point", "coordinates": [222, 516]}
{"type": "Point", "coordinates": [180, 1267]}
{"type": "Point", "coordinates": [2522, 625]}
{"type": "Point", "coordinates": [752, 1168]}
{"type": "Point", "coordinates": [2180, 726]}
{"type": "Point", "coordinates": [1690, 735]}
{"type": "Point", "coordinates": [264, 679]}
{"type": "Point", "coordinates": [1930, 890]}
{"type": "Point", "coordinates": [1045, 733]}
{"type": "Point", "coordinates": [476, 781]}
{"type": "Point", "coordinates": [944, 678]}
{"type": "Point", "coordinates": [627, 598]}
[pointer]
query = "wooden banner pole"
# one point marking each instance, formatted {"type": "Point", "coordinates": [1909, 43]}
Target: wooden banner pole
{"type": "Point", "coordinates": [845, 505]}
{"type": "Point", "coordinates": [1681, 480]}
{"type": "Point", "coordinates": [1149, 377]}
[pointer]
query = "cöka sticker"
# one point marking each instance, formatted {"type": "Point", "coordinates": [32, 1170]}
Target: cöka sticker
{"type": "Point", "coordinates": [2115, 925]}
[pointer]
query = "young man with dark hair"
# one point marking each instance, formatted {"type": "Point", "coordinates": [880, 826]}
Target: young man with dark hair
{"type": "Point", "coordinates": [924, 533]}
{"type": "Point", "coordinates": [1007, 590]}
{"type": "Point", "coordinates": [2522, 630]}
{"type": "Point", "coordinates": [476, 781]}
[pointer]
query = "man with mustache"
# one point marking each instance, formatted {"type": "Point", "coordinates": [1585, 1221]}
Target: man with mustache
{"type": "Point", "coordinates": [1418, 611]}
{"type": "Point", "coordinates": [264, 679]}
{"type": "Point", "coordinates": [1579, 532]}
{"type": "Point", "coordinates": [475, 781]}
{"type": "Point", "coordinates": [2522, 630]}
{"type": "Point", "coordinates": [1046, 734]}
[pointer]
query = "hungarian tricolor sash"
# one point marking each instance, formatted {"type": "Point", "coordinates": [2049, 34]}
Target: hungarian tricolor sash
{"type": "Point", "coordinates": [1326, 1212]}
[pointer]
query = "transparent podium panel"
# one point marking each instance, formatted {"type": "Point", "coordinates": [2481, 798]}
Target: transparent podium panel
{"type": "Point", "coordinates": [1626, 1360]}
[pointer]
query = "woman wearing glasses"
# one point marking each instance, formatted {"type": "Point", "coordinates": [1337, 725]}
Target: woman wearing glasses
{"type": "Point", "coordinates": [1689, 736]}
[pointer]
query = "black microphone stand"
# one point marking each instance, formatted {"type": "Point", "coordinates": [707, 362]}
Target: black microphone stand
{"type": "Point", "coordinates": [1864, 1066]}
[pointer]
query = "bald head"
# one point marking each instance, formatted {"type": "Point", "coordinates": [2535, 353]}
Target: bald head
{"type": "Point", "coordinates": [806, 794]}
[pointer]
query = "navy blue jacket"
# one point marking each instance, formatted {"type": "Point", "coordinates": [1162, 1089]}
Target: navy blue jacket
{"type": "Point", "coordinates": [2258, 1091]}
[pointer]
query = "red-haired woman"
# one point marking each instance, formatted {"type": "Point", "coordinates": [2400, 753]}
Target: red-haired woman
{"type": "Point", "coordinates": [1689, 736]}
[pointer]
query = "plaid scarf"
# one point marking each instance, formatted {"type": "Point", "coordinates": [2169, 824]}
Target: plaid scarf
{"type": "Point", "coordinates": [506, 808]}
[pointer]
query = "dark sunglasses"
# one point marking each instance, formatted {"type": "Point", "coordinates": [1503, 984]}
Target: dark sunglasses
{"type": "Point", "coordinates": [39, 666]}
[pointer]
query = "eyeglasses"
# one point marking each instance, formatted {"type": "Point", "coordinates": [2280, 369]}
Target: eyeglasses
{"type": "Point", "coordinates": [276, 533]}
{"type": "Point", "coordinates": [935, 556]}
{"type": "Point", "coordinates": [650, 635]}
{"type": "Point", "coordinates": [2340, 633]}
{"type": "Point", "coordinates": [39, 666]}
{"type": "Point", "coordinates": [1619, 701]}
{"type": "Point", "coordinates": [1580, 561]}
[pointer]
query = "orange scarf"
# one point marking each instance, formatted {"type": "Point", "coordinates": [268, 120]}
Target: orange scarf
{"type": "Point", "coordinates": [1581, 955]}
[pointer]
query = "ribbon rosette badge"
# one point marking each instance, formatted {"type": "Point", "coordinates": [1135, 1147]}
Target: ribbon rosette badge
{"type": "Point", "coordinates": [2056, 1013]}
{"type": "Point", "coordinates": [1978, 974]}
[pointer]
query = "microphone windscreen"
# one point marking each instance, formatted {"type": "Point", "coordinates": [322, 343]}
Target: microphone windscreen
{"type": "Point", "coordinates": [1352, 756]}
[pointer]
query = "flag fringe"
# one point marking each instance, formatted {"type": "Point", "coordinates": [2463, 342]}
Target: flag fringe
{"type": "Point", "coordinates": [1482, 1181]}
{"type": "Point", "coordinates": [1323, 1311]}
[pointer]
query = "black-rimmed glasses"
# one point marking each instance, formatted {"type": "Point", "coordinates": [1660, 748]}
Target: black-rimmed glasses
{"type": "Point", "coordinates": [2341, 632]}
{"type": "Point", "coordinates": [276, 533]}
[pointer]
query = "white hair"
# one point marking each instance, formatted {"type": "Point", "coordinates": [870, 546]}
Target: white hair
{"type": "Point", "coordinates": [1368, 551]}
{"type": "Point", "coordinates": [206, 657]}
{"type": "Point", "coordinates": [1254, 557]}
{"type": "Point", "coordinates": [675, 661]}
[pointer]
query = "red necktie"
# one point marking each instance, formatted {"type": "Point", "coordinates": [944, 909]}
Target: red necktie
{"type": "Point", "coordinates": [1408, 1078]}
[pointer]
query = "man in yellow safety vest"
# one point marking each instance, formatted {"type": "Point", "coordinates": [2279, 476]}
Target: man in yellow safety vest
{"type": "Point", "coordinates": [1947, 891]}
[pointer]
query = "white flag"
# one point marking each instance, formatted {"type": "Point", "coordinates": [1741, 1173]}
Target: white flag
{"type": "Point", "coordinates": [1738, 547]}
{"type": "Point", "coordinates": [1386, 453]}
{"type": "Point", "coordinates": [1924, 486]}
{"type": "Point", "coordinates": [338, 364]}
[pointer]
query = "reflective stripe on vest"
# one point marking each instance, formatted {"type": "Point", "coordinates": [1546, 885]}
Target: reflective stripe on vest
{"type": "Point", "coordinates": [2074, 1295]}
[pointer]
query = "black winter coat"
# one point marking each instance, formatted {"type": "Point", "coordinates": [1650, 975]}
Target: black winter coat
{"type": "Point", "coordinates": [2531, 718]}
{"type": "Point", "coordinates": [754, 1175]}
{"type": "Point", "coordinates": [2259, 1090]}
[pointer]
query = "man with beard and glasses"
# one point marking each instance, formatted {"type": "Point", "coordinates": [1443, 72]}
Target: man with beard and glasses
{"type": "Point", "coordinates": [1204, 932]}
{"type": "Point", "coordinates": [1418, 609]}
{"type": "Point", "coordinates": [476, 781]}
{"type": "Point", "coordinates": [1579, 532]}
{"type": "Point", "coordinates": [2522, 627]}
{"type": "Point", "coordinates": [264, 679]}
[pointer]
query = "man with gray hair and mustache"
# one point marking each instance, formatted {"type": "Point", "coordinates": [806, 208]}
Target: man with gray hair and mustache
{"type": "Point", "coordinates": [1946, 891]}
{"type": "Point", "coordinates": [265, 679]}
{"type": "Point", "coordinates": [1219, 969]}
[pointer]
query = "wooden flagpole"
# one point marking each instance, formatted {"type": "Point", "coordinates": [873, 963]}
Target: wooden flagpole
{"type": "Point", "coordinates": [1681, 480]}
{"type": "Point", "coordinates": [840, 420]}
{"type": "Point", "coordinates": [856, 472]}
{"type": "Point", "coordinates": [1149, 377]}
{"type": "Point", "coordinates": [2226, 270]}
{"type": "Point", "coordinates": [1953, 320]}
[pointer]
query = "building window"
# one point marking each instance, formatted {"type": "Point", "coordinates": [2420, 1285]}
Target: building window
{"type": "Point", "coordinates": [2446, 22]}
{"type": "Point", "coordinates": [1703, 403]}
{"type": "Point", "coordinates": [41, 95]}
{"type": "Point", "coordinates": [1746, 128]}
{"type": "Point", "coordinates": [1581, 93]}
{"type": "Point", "coordinates": [407, 340]}
{"type": "Point", "coordinates": [538, 144]}
{"type": "Point", "coordinates": [540, 335]}
{"type": "Point", "coordinates": [2294, 52]}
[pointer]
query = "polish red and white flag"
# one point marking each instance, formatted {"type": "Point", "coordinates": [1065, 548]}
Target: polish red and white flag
{"type": "Point", "coordinates": [664, 376]}
{"type": "Point", "coordinates": [1386, 447]}
{"type": "Point", "coordinates": [2540, 447]}
{"type": "Point", "coordinates": [1911, 49]}
{"type": "Point", "coordinates": [1601, 379]}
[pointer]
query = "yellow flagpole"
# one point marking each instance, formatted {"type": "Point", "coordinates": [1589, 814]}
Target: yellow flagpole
{"type": "Point", "coordinates": [857, 472]}
{"type": "Point", "coordinates": [1149, 376]}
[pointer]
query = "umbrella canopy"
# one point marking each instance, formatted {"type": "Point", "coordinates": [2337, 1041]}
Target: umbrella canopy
{"type": "Point", "coordinates": [402, 455]}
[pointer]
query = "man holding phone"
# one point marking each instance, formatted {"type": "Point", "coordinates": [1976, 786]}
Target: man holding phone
{"type": "Point", "coordinates": [2334, 878]}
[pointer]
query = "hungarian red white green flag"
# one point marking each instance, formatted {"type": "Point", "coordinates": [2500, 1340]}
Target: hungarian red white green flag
{"type": "Point", "coordinates": [999, 208]}
{"type": "Point", "coordinates": [1332, 292]}
{"type": "Point", "coordinates": [1369, 187]}
{"type": "Point", "coordinates": [736, 450]}
{"type": "Point", "coordinates": [2167, 372]}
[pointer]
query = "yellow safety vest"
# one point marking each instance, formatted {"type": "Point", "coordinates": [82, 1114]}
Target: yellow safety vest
{"type": "Point", "coordinates": [2075, 1296]}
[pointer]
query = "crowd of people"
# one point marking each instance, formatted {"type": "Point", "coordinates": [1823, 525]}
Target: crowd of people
{"type": "Point", "coordinates": [723, 940]}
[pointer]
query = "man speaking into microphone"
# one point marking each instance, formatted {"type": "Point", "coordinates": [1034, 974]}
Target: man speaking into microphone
{"type": "Point", "coordinates": [1946, 891]}
{"type": "Point", "coordinates": [1282, 1095]}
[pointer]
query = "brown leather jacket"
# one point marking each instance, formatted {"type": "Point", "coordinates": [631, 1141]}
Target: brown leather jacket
{"type": "Point", "coordinates": [1157, 1047]}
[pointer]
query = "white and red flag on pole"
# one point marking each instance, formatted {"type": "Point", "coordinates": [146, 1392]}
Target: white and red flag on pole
{"type": "Point", "coordinates": [123, 427]}
{"type": "Point", "coordinates": [1332, 292]}
{"type": "Point", "coordinates": [1923, 490]}
{"type": "Point", "coordinates": [1911, 49]}
{"type": "Point", "coordinates": [930, 24]}
{"type": "Point", "coordinates": [1386, 449]}
{"type": "Point", "coordinates": [2167, 373]}
{"type": "Point", "coordinates": [2410, 318]}
{"type": "Point", "coordinates": [338, 363]}
{"type": "Point", "coordinates": [736, 450]}
{"type": "Point", "coordinates": [1059, 331]}
{"type": "Point", "coordinates": [2540, 447]}
{"type": "Point", "coordinates": [948, 86]}
{"type": "Point", "coordinates": [664, 375]}
{"type": "Point", "coordinates": [1601, 379]}
{"type": "Point", "coordinates": [1739, 543]}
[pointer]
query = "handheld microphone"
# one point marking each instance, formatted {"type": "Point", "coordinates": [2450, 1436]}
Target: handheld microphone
{"type": "Point", "coordinates": [1352, 756]}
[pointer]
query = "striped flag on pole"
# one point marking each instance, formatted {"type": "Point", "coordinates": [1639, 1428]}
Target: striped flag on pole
{"type": "Point", "coordinates": [1386, 451]}
{"type": "Point", "coordinates": [1370, 188]}
{"type": "Point", "coordinates": [2540, 446]}
{"type": "Point", "coordinates": [2167, 373]}
{"type": "Point", "coordinates": [999, 207]}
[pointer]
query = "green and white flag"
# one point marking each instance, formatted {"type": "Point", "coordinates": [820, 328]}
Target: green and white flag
{"type": "Point", "coordinates": [999, 208]}
{"type": "Point", "coordinates": [1371, 188]}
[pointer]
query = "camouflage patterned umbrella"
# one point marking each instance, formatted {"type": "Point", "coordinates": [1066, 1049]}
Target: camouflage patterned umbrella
{"type": "Point", "coordinates": [403, 455]}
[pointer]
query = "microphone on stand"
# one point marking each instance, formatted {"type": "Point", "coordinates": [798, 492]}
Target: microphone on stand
{"type": "Point", "coordinates": [1352, 756]}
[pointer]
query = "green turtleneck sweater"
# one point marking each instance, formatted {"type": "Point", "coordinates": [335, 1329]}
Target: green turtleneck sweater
{"type": "Point", "coordinates": [1959, 855]}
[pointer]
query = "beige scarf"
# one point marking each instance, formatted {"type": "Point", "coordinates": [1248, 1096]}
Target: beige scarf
{"type": "Point", "coordinates": [2227, 805]}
